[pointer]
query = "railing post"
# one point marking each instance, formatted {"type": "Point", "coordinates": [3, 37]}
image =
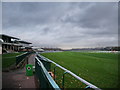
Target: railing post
{"type": "Point", "coordinates": [54, 71]}
{"type": "Point", "coordinates": [63, 80]}
{"type": "Point", "coordinates": [27, 59]}
{"type": "Point", "coordinates": [87, 87]}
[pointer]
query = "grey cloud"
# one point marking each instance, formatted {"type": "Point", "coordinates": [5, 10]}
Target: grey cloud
{"type": "Point", "coordinates": [26, 14]}
{"type": "Point", "coordinates": [62, 24]}
{"type": "Point", "coordinates": [95, 16]}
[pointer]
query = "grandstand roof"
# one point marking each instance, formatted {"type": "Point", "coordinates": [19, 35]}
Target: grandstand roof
{"type": "Point", "coordinates": [3, 35]}
{"type": "Point", "coordinates": [24, 42]}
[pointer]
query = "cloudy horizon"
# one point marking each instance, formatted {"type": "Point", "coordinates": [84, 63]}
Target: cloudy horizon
{"type": "Point", "coordinates": [62, 24]}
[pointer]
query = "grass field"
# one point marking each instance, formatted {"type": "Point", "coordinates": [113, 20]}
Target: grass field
{"type": "Point", "coordinates": [100, 69]}
{"type": "Point", "coordinates": [9, 59]}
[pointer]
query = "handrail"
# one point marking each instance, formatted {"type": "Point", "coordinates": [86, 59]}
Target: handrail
{"type": "Point", "coordinates": [68, 71]}
{"type": "Point", "coordinates": [21, 54]}
{"type": "Point", "coordinates": [49, 78]}
{"type": "Point", "coordinates": [20, 58]}
{"type": "Point", "coordinates": [42, 58]}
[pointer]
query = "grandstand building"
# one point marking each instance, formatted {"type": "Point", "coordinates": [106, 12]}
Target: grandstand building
{"type": "Point", "coordinates": [12, 44]}
{"type": "Point", "coordinates": [25, 46]}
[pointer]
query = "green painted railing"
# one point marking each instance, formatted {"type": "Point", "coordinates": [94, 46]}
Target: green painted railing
{"type": "Point", "coordinates": [45, 62]}
{"type": "Point", "coordinates": [45, 80]}
{"type": "Point", "coordinates": [42, 58]}
{"type": "Point", "coordinates": [21, 57]}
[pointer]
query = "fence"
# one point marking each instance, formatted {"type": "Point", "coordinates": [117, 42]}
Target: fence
{"type": "Point", "coordinates": [20, 58]}
{"type": "Point", "coordinates": [46, 63]}
{"type": "Point", "coordinates": [62, 72]}
{"type": "Point", "coordinates": [45, 80]}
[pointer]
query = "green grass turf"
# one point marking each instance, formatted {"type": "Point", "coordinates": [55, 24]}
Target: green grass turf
{"type": "Point", "coordinates": [9, 59]}
{"type": "Point", "coordinates": [100, 69]}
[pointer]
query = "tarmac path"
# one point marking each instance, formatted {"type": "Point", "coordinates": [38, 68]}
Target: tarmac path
{"type": "Point", "coordinates": [18, 79]}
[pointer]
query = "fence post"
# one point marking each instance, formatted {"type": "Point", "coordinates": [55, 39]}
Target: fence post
{"type": "Point", "coordinates": [63, 79]}
{"type": "Point", "coordinates": [54, 71]}
{"type": "Point", "coordinates": [27, 59]}
{"type": "Point", "coordinates": [87, 87]}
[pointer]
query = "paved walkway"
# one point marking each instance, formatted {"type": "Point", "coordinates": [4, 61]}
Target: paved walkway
{"type": "Point", "coordinates": [18, 79]}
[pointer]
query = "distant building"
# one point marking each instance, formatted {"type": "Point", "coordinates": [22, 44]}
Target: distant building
{"type": "Point", "coordinates": [11, 44]}
{"type": "Point", "coordinates": [51, 49]}
{"type": "Point", "coordinates": [38, 49]}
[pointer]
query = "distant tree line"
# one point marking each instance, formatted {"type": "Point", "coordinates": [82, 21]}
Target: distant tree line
{"type": "Point", "coordinates": [112, 48]}
{"type": "Point", "coordinates": [98, 48]}
{"type": "Point", "coordinates": [76, 49]}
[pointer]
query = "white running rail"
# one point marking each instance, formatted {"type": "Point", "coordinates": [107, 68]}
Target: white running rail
{"type": "Point", "coordinates": [68, 71]}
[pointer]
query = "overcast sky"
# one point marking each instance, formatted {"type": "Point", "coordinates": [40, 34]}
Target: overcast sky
{"type": "Point", "coordinates": [64, 25]}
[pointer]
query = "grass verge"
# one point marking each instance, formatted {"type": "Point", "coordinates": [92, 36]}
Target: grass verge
{"type": "Point", "coordinates": [9, 59]}
{"type": "Point", "coordinates": [100, 69]}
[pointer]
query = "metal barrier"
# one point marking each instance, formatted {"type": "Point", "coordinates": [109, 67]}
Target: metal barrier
{"type": "Point", "coordinates": [45, 62]}
{"type": "Point", "coordinates": [45, 80]}
{"type": "Point", "coordinates": [21, 57]}
{"type": "Point", "coordinates": [89, 85]}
